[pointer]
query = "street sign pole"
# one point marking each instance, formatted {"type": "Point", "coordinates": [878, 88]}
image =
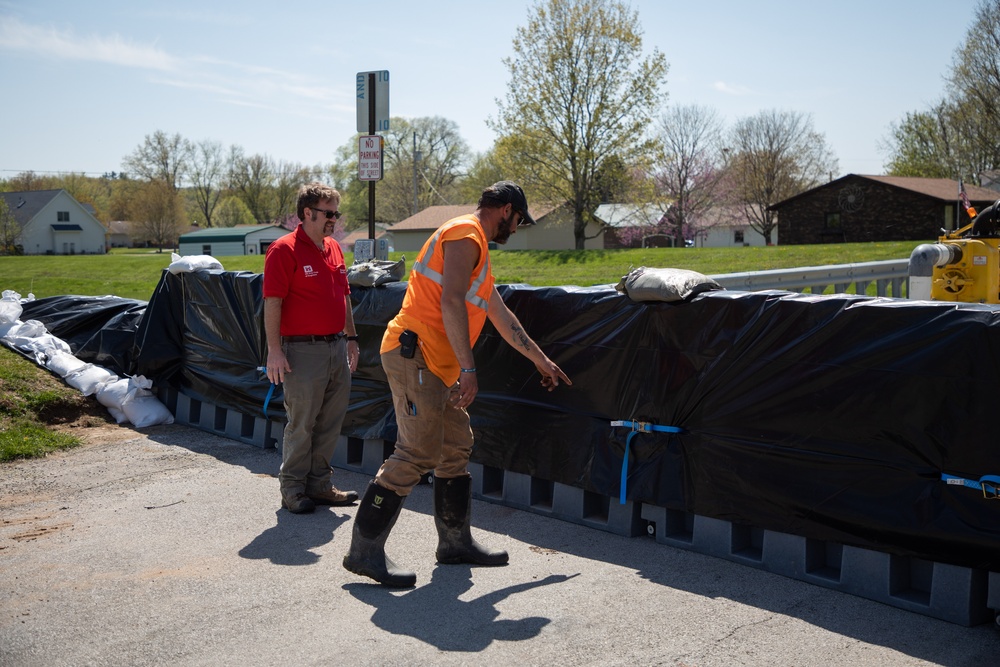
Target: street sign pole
{"type": "Point", "coordinates": [371, 131]}
{"type": "Point", "coordinates": [373, 115]}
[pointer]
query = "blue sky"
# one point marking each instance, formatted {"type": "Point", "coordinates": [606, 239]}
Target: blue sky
{"type": "Point", "coordinates": [85, 82]}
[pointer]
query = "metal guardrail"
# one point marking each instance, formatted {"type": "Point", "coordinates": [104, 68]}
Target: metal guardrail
{"type": "Point", "coordinates": [890, 278]}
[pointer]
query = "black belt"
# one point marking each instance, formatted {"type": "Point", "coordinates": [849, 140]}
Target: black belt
{"type": "Point", "coordinates": [312, 339]}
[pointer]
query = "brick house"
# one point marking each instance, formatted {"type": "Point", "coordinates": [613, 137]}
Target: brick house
{"type": "Point", "coordinates": [857, 208]}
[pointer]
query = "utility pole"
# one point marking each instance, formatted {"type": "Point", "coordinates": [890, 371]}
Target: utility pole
{"type": "Point", "coordinates": [417, 156]}
{"type": "Point", "coordinates": [415, 211]}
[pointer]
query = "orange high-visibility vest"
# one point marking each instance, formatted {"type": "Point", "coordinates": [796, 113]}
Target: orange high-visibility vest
{"type": "Point", "coordinates": [421, 311]}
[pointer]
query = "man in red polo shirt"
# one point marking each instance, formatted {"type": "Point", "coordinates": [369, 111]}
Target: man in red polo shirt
{"type": "Point", "coordinates": [312, 348]}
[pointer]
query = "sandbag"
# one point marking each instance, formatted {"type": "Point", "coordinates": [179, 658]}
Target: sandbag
{"type": "Point", "coordinates": [190, 263]}
{"type": "Point", "coordinates": [89, 378]}
{"type": "Point", "coordinates": [63, 363]}
{"type": "Point", "coordinates": [646, 284]}
{"type": "Point", "coordinates": [10, 307]}
{"type": "Point", "coordinates": [376, 272]}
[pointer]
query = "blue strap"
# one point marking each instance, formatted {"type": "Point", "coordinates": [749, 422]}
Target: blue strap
{"type": "Point", "coordinates": [267, 399]}
{"type": "Point", "coordinates": [988, 484]}
{"type": "Point", "coordinates": [637, 427]}
{"type": "Point", "coordinates": [270, 392]}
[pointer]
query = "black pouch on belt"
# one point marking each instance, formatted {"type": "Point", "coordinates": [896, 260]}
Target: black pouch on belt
{"type": "Point", "coordinates": [408, 344]}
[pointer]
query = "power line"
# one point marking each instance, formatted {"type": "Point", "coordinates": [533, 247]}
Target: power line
{"type": "Point", "coordinates": [56, 173]}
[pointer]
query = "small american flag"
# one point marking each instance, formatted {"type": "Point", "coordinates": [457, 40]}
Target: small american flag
{"type": "Point", "coordinates": [965, 200]}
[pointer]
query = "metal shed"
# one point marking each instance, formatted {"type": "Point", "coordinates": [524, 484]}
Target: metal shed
{"type": "Point", "coordinates": [228, 241]}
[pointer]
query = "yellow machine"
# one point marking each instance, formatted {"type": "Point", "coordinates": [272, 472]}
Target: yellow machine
{"type": "Point", "coordinates": [963, 265]}
{"type": "Point", "coordinates": [974, 277]}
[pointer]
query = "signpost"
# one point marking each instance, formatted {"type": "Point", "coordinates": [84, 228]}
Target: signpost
{"type": "Point", "coordinates": [370, 158]}
{"type": "Point", "coordinates": [373, 117]}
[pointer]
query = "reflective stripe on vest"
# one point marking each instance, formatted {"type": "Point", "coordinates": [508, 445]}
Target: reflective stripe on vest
{"type": "Point", "coordinates": [432, 275]}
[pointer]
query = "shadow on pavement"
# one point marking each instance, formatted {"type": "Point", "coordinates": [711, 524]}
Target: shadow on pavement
{"type": "Point", "coordinates": [292, 539]}
{"type": "Point", "coordinates": [434, 614]}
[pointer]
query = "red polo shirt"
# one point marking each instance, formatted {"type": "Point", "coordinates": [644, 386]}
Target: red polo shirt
{"type": "Point", "coordinates": [311, 283]}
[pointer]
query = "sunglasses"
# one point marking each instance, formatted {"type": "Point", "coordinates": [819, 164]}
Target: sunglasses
{"type": "Point", "coordinates": [329, 214]}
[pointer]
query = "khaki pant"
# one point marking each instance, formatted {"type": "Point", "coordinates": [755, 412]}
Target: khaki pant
{"type": "Point", "coordinates": [433, 434]}
{"type": "Point", "coordinates": [316, 395]}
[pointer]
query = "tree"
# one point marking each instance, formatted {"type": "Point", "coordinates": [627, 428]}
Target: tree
{"type": "Point", "coordinates": [252, 179]}
{"type": "Point", "coordinates": [959, 137]}
{"type": "Point", "coordinates": [918, 146]}
{"type": "Point", "coordinates": [485, 170]}
{"type": "Point", "coordinates": [689, 176]}
{"type": "Point", "coordinates": [423, 158]}
{"type": "Point", "coordinates": [10, 231]}
{"type": "Point", "coordinates": [580, 92]}
{"type": "Point", "coordinates": [974, 83]}
{"type": "Point", "coordinates": [207, 171]}
{"type": "Point", "coordinates": [353, 192]}
{"type": "Point", "coordinates": [157, 213]}
{"type": "Point", "coordinates": [778, 154]}
{"type": "Point", "coordinates": [231, 212]}
{"type": "Point", "coordinates": [160, 158]}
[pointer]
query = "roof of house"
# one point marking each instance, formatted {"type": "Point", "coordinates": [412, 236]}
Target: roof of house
{"type": "Point", "coordinates": [944, 189]}
{"type": "Point", "coordinates": [222, 234]}
{"type": "Point", "coordinates": [630, 215]}
{"type": "Point", "coordinates": [361, 233]}
{"type": "Point", "coordinates": [26, 205]}
{"type": "Point", "coordinates": [941, 188]}
{"type": "Point", "coordinates": [433, 217]}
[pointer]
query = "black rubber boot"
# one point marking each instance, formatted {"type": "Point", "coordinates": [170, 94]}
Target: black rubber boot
{"type": "Point", "coordinates": [376, 516]}
{"type": "Point", "coordinates": [452, 501]}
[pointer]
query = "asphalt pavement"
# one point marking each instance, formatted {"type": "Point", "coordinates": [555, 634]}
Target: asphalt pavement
{"type": "Point", "coordinates": [169, 547]}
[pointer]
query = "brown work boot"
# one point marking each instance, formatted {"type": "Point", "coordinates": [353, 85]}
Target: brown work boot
{"type": "Point", "coordinates": [333, 496]}
{"type": "Point", "coordinates": [298, 504]}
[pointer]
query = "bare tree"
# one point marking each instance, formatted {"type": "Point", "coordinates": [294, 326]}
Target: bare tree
{"type": "Point", "coordinates": [423, 159]}
{"type": "Point", "coordinates": [288, 177]}
{"type": "Point", "coordinates": [688, 180]}
{"type": "Point", "coordinates": [776, 155]}
{"type": "Point", "coordinates": [207, 171]}
{"type": "Point", "coordinates": [160, 158]}
{"type": "Point", "coordinates": [157, 213]}
{"type": "Point", "coordinates": [580, 91]}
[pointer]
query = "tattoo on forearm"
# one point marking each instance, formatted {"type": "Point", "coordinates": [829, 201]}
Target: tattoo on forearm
{"type": "Point", "coordinates": [521, 337]}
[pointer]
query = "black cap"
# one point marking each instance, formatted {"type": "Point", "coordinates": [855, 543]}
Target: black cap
{"type": "Point", "coordinates": [509, 192]}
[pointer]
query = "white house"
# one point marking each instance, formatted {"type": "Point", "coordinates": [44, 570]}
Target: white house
{"type": "Point", "coordinates": [727, 227]}
{"type": "Point", "coordinates": [230, 241]}
{"type": "Point", "coordinates": [721, 227]}
{"type": "Point", "coordinates": [622, 219]}
{"type": "Point", "coordinates": [553, 231]}
{"type": "Point", "coordinates": [54, 223]}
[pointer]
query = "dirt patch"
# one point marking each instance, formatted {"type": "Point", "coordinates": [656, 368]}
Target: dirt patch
{"type": "Point", "coordinates": [86, 412]}
{"type": "Point", "coordinates": [87, 420]}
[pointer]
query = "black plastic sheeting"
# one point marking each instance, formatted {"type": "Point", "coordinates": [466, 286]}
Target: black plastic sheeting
{"type": "Point", "coordinates": [828, 417]}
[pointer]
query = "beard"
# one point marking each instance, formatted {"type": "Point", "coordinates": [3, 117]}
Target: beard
{"type": "Point", "coordinates": [503, 233]}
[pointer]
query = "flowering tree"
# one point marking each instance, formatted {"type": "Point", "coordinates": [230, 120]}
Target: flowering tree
{"type": "Point", "coordinates": [690, 174]}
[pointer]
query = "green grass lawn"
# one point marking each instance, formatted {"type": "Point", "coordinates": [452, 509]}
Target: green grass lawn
{"type": "Point", "coordinates": [32, 400]}
{"type": "Point", "coordinates": [135, 274]}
